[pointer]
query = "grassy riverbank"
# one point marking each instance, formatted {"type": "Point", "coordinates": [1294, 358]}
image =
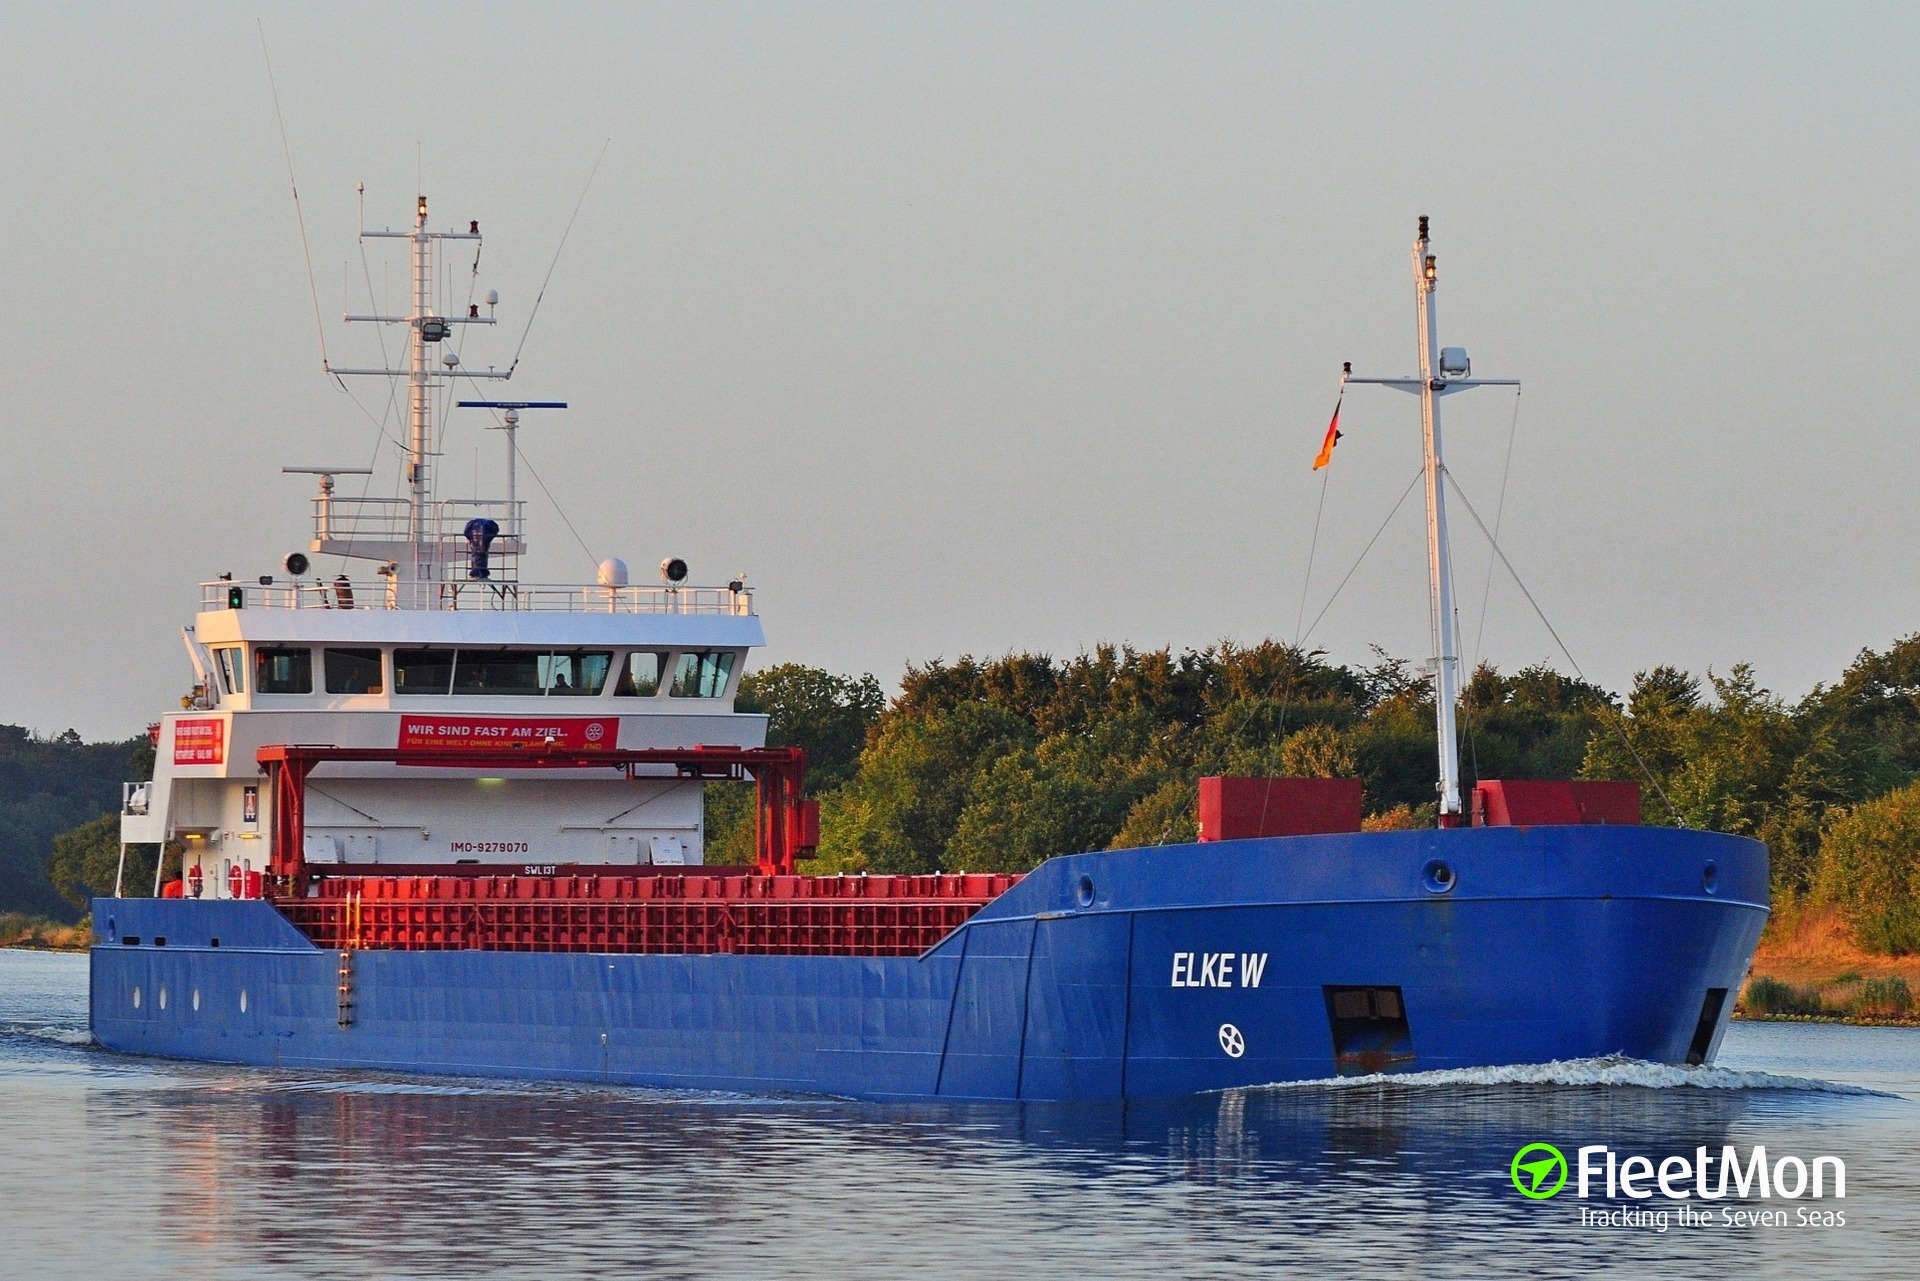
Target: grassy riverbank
{"type": "Point", "coordinates": [1809, 969]}
{"type": "Point", "coordinates": [17, 929]}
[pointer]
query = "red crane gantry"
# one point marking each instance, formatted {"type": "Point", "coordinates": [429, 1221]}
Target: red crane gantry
{"type": "Point", "coordinates": [786, 826]}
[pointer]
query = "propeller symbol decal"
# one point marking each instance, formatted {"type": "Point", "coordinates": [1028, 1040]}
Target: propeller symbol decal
{"type": "Point", "coordinates": [1231, 1041]}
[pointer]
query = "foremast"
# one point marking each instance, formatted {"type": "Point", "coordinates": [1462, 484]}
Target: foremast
{"type": "Point", "coordinates": [1442, 372]}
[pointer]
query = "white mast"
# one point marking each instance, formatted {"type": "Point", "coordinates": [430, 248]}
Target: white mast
{"type": "Point", "coordinates": [419, 557]}
{"type": "Point", "coordinates": [1442, 371]}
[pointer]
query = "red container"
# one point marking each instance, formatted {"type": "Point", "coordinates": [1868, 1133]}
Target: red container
{"type": "Point", "coordinates": [1545, 802]}
{"type": "Point", "coordinates": [1233, 808]}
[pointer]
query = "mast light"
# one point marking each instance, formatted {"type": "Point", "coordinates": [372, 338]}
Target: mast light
{"type": "Point", "coordinates": [1431, 272]}
{"type": "Point", "coordinates": [423, 207]}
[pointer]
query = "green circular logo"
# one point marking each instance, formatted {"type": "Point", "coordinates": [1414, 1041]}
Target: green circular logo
{"type": "Point", "coordinates": [1529, 1176]}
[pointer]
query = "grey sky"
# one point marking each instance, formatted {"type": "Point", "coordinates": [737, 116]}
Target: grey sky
{"type": "Point", "coordinates": [971, 328]}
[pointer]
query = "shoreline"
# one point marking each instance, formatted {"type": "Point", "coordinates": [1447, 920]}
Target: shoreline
{"type": "Point", "coordinates": [1844, 1020]}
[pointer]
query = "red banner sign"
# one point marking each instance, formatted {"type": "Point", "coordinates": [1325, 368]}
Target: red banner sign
{"type": "Point", "coordinates": [200, 742]}
{"type": "Point", "coordinates": [490, 733]}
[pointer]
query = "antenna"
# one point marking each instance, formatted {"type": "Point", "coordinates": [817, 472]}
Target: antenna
{"type": "Point", "coordinates": [510, 424]}
{"type": "Point", "coordinates": [421, 556]}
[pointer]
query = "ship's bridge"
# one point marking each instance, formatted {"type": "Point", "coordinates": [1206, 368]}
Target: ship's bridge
{"type": "Point", "coordinates": [490, 665]}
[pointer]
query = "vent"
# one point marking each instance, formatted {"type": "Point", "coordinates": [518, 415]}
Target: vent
{"type": "Point", "coordinates": [1370, 1030]}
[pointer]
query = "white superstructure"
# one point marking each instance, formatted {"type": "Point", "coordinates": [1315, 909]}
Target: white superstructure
{"type": "Point", "coordinates": [443, 649]}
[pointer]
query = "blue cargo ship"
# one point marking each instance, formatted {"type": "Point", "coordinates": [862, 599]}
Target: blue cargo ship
{"type": "Point", "coordinates": [448, 821]}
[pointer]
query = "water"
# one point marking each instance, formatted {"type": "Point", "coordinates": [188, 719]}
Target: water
{"type": "Point", "coordinates": [129, 1168]}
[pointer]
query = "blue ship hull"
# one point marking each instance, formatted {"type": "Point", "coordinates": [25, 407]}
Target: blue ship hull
{"type": "Point", "coordinates": [1133, 973]}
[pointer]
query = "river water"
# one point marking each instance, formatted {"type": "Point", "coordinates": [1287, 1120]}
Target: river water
{"type": "Point", "coordinates": [130, 1168]}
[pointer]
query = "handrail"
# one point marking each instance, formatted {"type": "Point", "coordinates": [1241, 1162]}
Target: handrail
{"type": "Point", "coordinates": [337, 519]}
{"type": "Point", "coordinates": [477, 595]}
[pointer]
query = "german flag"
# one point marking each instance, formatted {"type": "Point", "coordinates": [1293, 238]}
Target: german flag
{"type": "Point", "coordinates": [1333, 438]}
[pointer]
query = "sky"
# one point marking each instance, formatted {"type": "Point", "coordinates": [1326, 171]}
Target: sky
{"type": "Point", "coordinates": [968, 329]}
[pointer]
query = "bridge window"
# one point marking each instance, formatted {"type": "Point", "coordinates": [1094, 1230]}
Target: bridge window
{"type": "Point", "coordinates": [574, 672]}
{"type": "Point", "coordinates": [702, 674]}
{"type": "Point", "coordinates": [233, 670]}
{"type": "Point", "coordinates": [640, 678]}
{"type": "Point", "coordinates": [352, 671]}
{"type": "Point", "coordinates": [422, 671]}
{"type": "Point", "coordinates": [282, 671]}
{"type": "Point", "coordinates": [507, 671]}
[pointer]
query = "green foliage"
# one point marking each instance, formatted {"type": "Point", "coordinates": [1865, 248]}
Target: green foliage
{"type": "Point", "coordinates": [1883, 997]}
{"type": "Point", "coordinates": [86, 860]}
{"type": "Point", "coordinates": [807, 707]}
{"type": "Point", "coordinates": [1770, 996]}
{"type": "Point", "coordinates": [1746, 762]}
{"type": "Point", "coordinates": [898, 814]}
{"type": "Point", "coordinates": [1870, 870]}
{"type": "Point", "coordinates": [827, 715]}
{"type": "Point", "coordinates": [48, 786]}
{"type": "Point", "coordinates": [729, 824]}
{"type": "Point", "coordinates": [1001, 763]}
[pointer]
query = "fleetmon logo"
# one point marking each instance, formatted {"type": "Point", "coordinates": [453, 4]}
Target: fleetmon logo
{"type": "Point", "coordinates": [1531, 1176]}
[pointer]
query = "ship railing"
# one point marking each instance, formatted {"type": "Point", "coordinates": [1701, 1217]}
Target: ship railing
{"type": "Point", "coordinates": [478, 594]}
{"type": "Point", "coordinates": [388, 520]}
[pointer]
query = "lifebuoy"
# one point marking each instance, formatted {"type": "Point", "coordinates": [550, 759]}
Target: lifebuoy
{"type": "Point", "coordinates": [195, 882]}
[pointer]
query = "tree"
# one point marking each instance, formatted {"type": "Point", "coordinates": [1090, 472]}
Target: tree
{"type": "Point", "coordinates": [49, 786]}
{"type": "Point", "coordinates": [86, 861]}
{"type": "Point", "coordinates": [827, 715]}
{"type": "Point", "coordinates": [899, 812]}
{"type": "Point", "coordinates": [1870, 870]}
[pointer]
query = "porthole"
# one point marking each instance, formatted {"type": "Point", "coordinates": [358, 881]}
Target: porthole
{"type": "Point", "coordinates": [163, 998]}
{"type": "Point", "coordinates": [1710, 877]}
{"type": "Point", "coordinates": [136, 998]}
{"type": "Point", "coordinates": [1085, 892]}
{"type": "Point", "coordinates": [196, 1000]}
{"type": "Point", "coordinates": [1438, 877]}
{"type": "Point", "coordinates": [243, 1000]}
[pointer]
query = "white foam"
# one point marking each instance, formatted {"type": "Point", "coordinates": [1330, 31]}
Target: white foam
{"type": "Point", "coordinates": [1612, 1070]}
{"type": "Point", "coordinates": [64, 1035]}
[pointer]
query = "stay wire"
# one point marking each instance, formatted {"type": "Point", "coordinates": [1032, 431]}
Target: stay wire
{"type": "Point", "coordinates": [1617, 719]}
{"type": "Point", "coordinates": [1300, 616]}
{"type": "Point", "coordinates": [515, 362]}
{"type": "Point", "coordinates": [1313, 549]}
{"type": "Point", "coordinates": [1499, 515]}
{"type": "Point", "coordinates": [300, 218]}
{"type": "Point", "coordinates": [1401, 502]}
{"type": "Point", "coordinates": [535, 473]}
{"type": "Point", "coordinates": [1301, 639]}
